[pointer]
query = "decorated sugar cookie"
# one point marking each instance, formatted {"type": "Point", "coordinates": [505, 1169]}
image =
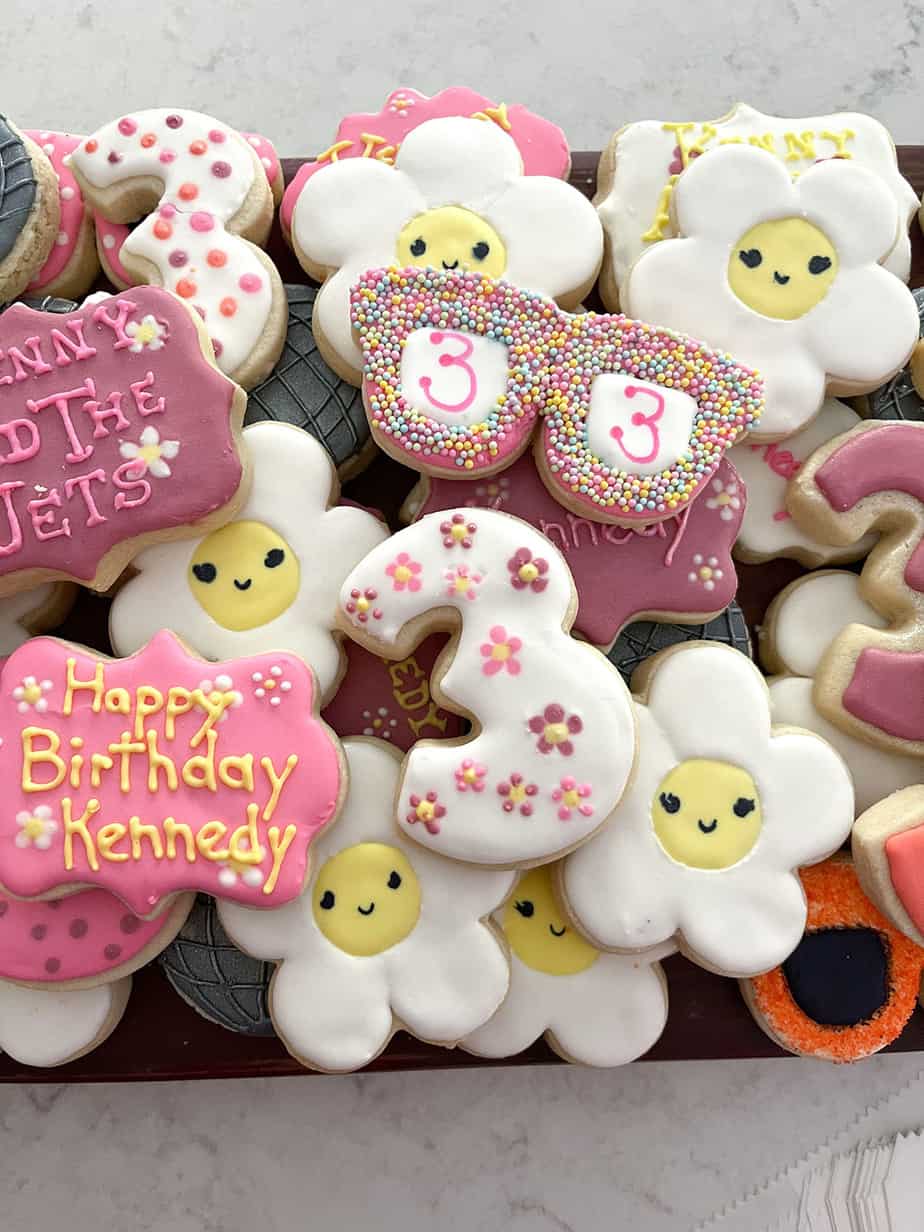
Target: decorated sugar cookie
{"type": "Point", "coordinates": [30, 612]}
{"type": "Point", "coordinates": [455, 194]}
{"type": "Point", "coordinates": [721, 809]}
{"type": "Point", "coordinates": [386, 935]}
{"type": "Point", "coordinates": [266, 581]}
{"type": "Point", "coordinates": [161, 773]}
{"type": "Point", "coordinates": [645, 638]}
{"type": "Point", "coordinates": [679, 569]}
{"type": "Point", "coordinates": [784, 274]}
{"type": "Point", "coordinates": [30, 212]}
{"type": "Point", "coordinates": [458, 366]}
{"type": "Point", "coordinates": [45, 1027]}
{"type": "Point", "coordinates": [592, 1008]}
{"type": "Point", "coordinates": [554, 725]}
{"type": "Point", "coordinates": [850, 986]}
{"type": "Point", "coordinates": [72, 264]}
{"type": "Point", "coordinates": [641, 165]}
{"type": "Point", "coordinates": [888, 851]}
{"type": "Point", "coordinates": [108, 413]}
{"type": "Point", "coordinates": [768, 530]}
{"type": "Point", "coordinates": [206, 203]}
{"type": "Point", "coordinates": [900, 398]}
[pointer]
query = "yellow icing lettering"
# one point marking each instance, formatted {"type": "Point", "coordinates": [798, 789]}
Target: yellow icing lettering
{"type": "Point", "coordinates": [106, 838]}
{"type": "Point", "coordinates": [214, 704]}
{"type": "Point", "coordinates": [662, 213]}
{"type": "Point", "coordinates": [148, 701]}
{"type": "Point", "coordinates": [210, 834]}
{"type": "Point", "coordinates": [377, 147]}
{"type": "Point", "coordinates": [333, 152]}
{"type": "Point", "coordinates": [123, 749]}
{"type": "Point", "coordinates": [31, 756]}
{"type": "Point", "coordinates": [172, 828]}
{"type": "Point", "coordinates": [159, 761]}
{"type": "Point", "coordinates": [279, 847]}
{"type": "Point", "coordinates": [98, 763]}
{"type": "Point", "coordinates": [433, 718]}
{"type": "Point", "coordinates": [277, 781]}
{"type": "Point", "coordinates": [679, 130]}
{"type": "Point", "coordinates": [799, 146]}
{"type": "Point", "coordinates": [839, 141]}
{"type": "Point", "coordinates": [118, 701]}
{"type": "Point", "coordinates": [763, 141]}
{"type": "Point", "coordinates": [179, 701]}
{"type": "Point", "coordinates": [237, 772]}
{"type": "Point", "coordinates": [76, 767]}
{"type": "Point", "coordinates": [138, 831]}
{"type": "Point", "coordinates": [251, 852]}
{"type": "Point", "coordinates": [78, 825]}
{"type": "Point", "coordinates": [96, 687]}
{"type": "Point", "coordinates": [199, 770]}
{"type": "Point", "coordinates": [498, 114]}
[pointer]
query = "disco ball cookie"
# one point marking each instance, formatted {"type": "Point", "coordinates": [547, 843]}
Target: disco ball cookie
{"type": "Point", "coordinates": [456, 193]}
{"type": "Point", "coordinates": [304, 392]}
{"type": "Point", "coordinates": [269, 579]}
{"type": "Point", "coordinates": [214, 977]}
{"type": "Point", "coordinates": [645, 638]}
{"type": "Point", "coordinates": [591, 1008]}
{"type": "Point", "coordinates": [784, 274]}
{"type": "Point", "coordinates": [30, 213]}
{"type": "Point", "coordinates": [721, 811]}
{"type": "Point", "coordinates": [72, 265]}
{"type": "Point", "coordinates": [206, 204]}
{"type": "Point", "coordinates": [900, 398]}
{"type": "Point", "coordinates": [386, 935]}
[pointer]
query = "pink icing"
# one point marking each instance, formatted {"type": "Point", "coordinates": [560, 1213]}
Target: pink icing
{"type": "Point", "coordinates": [887, 691]}
{"type": "Point", "coordinates": [887, 458]}
{"type": "Point", "coordinates": [905, 856]}
{"type": "Point", "coordinates": [57, 146]}
{"type": "Point", "coordinates": [112, 235]}
{"type": "Point", "coordinates": [225, 823]}
{"type": "Point", "coordinates": [542, 145]}
{"type": "Point", "coordinates": [620, 573]}
{"type": "Point", "coordinates": [76, 394]}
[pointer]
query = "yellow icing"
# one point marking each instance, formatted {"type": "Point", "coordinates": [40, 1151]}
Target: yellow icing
{"type": "Point", "coordinates": [452, 237]}
{"type": "Point", "coordinates": [239, 577]}
{"type": "Point", "coordinates": [707, 814]}
{"type": "Point", "coordinates": [770, 269]}
{"type": "Point", "coordinates": [537, 930]}
{"type": "Point", "coordinates": [366, 898]}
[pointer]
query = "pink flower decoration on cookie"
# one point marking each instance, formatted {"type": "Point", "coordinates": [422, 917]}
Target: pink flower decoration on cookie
{"type": "Point", "coordinates": [470, 775]}
{"type": "Point", "coordinates": [517, 795]}
{"type": "Point", "coordinates": [528, 571]}
{"type": "Point", "coordinates": [359, 605]}
{"type": "Point", "coordinates": [404, 572]}
{"type": "Point", "coordinates": [428, 811]}
{"type": "Point", "coordinates": [555, 728]}
{"type": "Point", "coordinates": [458, 531]}
{"type": "Point", "coordinates": [500, 653]}
{"type": "Point", "coordinates": [462, 581]}
{"type": "Point", "coordinates": [571, 796]}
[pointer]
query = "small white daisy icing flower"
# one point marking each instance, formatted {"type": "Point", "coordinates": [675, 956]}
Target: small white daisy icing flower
{"type": "Point", "coordinates": [232, 871]}
{"type": "Point", "coordinates": [705, 571]}
{"type": "Point", "coordinates": [784, 274]}
{"type": "Point", "coordinates": [147, 334]}
{"type": "Point", "coordinates": [386, 934]}
{"type": "Point", "coordinates": [223, 684]}
{"type": "Point", "coordinates": [151, 453]}
{"type": "Point", "coordinates": [37, 827]}
{"type": "Point", "coordinates": [455, 197]}
{"type": "Point", "coordinates": [725, 497]}
{"type": "Point", "coordinates": [271, 686]}
{"type": "Point", "coordinates": [720, 813]}
{"type": "Point", "coordinates": [31, 695]}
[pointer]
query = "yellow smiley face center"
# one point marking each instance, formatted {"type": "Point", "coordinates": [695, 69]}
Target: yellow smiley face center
{"type": "Point", "coordinates": [244, 575]}
{"type": "Point", "coordinates": [782, 269]}
{"type": "Point", "coordinates": [707, 814]}
{"type": "Point", "coordinates": [451, 237]}
{"type": "Point", "coordinates": [538, 932]}
{"type": "Point", "coordinates": [366, 899]}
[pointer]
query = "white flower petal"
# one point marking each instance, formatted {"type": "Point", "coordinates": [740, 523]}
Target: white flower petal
{"type": "Point", "coordinates": [611, 1013]}
{"type": "Point", "coordinates": [43, 811]}
{"type": "Point", "coordinates": [865, 327]}
{"type": "Point", "coordinates": [523, 1016]}
{"type": "Point", "coordinates": [46, 1026]}
{"type": "Point", "coordinates": [552, 234]}
{"type": "Point", "coordinates": [227, 877]}
{"type": "Point", "coordinates": [128, 449]}
{"type": "Point", "coordinates": [854, 207]}
{"type": "Point", "coordinates": [807, 792]}
{"type": "Point", "coordinates": [43, 842]}
{"type": "Point", "coordinates": [459, 161]}
{"type": "Point", "coordinates": [150, 436]}
{"type": "Point", "coordinates": [22, 839]}
{"type": "Point", "coordinates": [159, 468]}
{"type": "Point", "coordinates": [720, 192]}
{"type": "Point", "coordinates": [169, 449]}
{"type": "Point", "coordinates": [23, 816]}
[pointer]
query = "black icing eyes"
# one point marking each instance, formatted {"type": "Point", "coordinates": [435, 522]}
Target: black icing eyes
{"type": "Point", "coordinates": [274, 558]}
{"type": "Point", "coordinates": [752, 257]}
{"type": "Point", "coordinates": [394, 880]}
{"type": "Point", "coordinates": [205, 572]}
{"type": "Point", "coordinates": [743, 806]}
{"type": "Point", "coordinates": [525, 908]}
{"type": "Point", "coordinates": [669, 802]}
{"type": "Point", "coordinates": [327, 900]}
{"type": "Point", "coordinates": [418, 248]}
{"type": "Point", "coordinates": [480, 250]}
{"type": "Point", "coordinates": [818, 265]}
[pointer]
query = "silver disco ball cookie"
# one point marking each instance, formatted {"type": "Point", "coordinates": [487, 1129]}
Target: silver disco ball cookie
{"type": "Point", "coordinates": [640, 640]}
{"type": "Point", "coordinates": [46, 303]}
{"type": "Point", "coordinates": [898, 398]}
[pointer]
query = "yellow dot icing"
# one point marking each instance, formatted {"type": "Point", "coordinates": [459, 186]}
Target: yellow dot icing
{"type": "Point", "coordinates": [782, 269]}
{"type": "Point", "coordinates": [452, 237]}
{"type": "Point", "coordinates": [538, 931]}
{"type": "Point", "coordinates": [244, 575]}
{"type": "Point", "coordinates": [707, 814]}
{"type": "Point", "coordinates": [366, 899]}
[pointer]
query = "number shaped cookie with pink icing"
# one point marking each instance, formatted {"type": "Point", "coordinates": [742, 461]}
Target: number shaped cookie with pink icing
{"type": "Point", "coordinates": [554, 740]}
{"type": "Point", "coordinates": [204, 197]}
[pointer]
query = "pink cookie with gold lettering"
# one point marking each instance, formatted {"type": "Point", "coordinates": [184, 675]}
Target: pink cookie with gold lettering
{"type": "Point", "coordinates": [72, 264]}
{"type": "Point", "coordinates": [161, 773]}
{"type": "Point", "coordinates": [116, 430]}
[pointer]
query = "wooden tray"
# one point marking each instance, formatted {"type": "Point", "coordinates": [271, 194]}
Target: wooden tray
{"type": "Point", "coordinates": [160, 1037]}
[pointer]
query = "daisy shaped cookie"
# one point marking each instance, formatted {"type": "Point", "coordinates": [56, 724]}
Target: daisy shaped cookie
{"type": "Point", "coordinates": [722, 809]}
{"type": "Point", "coordinates": [456, 197]}
{"type": "Point", "coordinates": [592, 1008]}
{"type": "Point", "coordinates": [33, 611]}
{"type": "Point", "coordinates": [49, 1026]}
{"type": "Point", "coordinates": [785, 275]}
{"type": "Point", "coordinates": [269, 580]}
{"type": "Point", "coordinates": [385, 935]}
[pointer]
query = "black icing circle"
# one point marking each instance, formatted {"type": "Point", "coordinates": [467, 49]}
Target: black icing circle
{"type": "Point", "coordinates": [640, 640]}
{"type": "Point", "coordinates": [839, 977]}
{"type": "Point", "coordinates": [17, 187]}
{"type": "Point", "coordinates": [216, 979]}
{"type": "Point", "coordinates": [303, 391]}
{"type": "Point", "coordinates": [898, 398]}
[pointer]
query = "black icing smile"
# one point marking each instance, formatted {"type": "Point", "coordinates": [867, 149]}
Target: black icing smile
{"type": "Point", "coordinates": [450, 265]}
{"type": "Point", "coordinates": [708, 829]}
{"type": "Point", "coordinates": [557, 932]}
{"type": "Point", "coordinates": [780, 279]}
{"type": "Point", "coordinates": [245, 585]}
{"type": "Point", "coordinates": [367, 910]}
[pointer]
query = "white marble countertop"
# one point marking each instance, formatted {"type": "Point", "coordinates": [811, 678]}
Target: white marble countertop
{"type": "Point", "coordinates": [652, 1147]}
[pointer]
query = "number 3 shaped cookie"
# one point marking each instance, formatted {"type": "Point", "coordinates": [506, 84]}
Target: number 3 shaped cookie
{"type": "Point", "coordinates": [555, 726]}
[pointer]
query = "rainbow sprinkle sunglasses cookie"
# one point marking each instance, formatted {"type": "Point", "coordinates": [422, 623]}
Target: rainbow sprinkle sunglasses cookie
{"type": "Point", "coordinates": [386, 935]}
{"type": "Point", "coordinates": [454, 194]}
{"type": "Point", "coordinates": [29, 210]}
{"type": "Point", "coordinates": [206, 204]}
{"type": "Point", "coordinates": [784, 274]}
{"type": "Point", "coordinates": [591, 1008]}
{"type": "Point", "coordinates": [645, 638]}
{"type": "Point", "coordinates": [679, 569]}
{"type": "Point", "coordinates": [850, 986]}
{"type": "Point", "coordinates": [458, 367]}
{"type": "Point", "coordinates": [72, 264]}
{"type": "Point", "coordinates": [554, 740]}
{"type": "Point", "coordinates": [641, 165]}
{"type": "Point", "coordinates": [721, 809]}
{"type": "Point", "coordinates": [901, 397]}
{"type": "Point", "coordinates": [268, 580]}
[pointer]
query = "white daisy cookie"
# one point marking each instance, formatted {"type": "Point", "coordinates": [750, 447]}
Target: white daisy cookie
{"type": "Point", "coordinates": [48, 1026]}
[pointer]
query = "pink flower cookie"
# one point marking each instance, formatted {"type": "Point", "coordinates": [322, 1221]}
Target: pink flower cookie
{"type": "Point", "coordinates": [459, 366]}
{"type": "Point", "coordinates": [555, 727]}
{"type": "Point", "coordinates": [160, 774]}
{"type": "Point", "coordinates": [621, 573]}
{"type": "Point", "coordinates": [206, 204]}
{"type": "Point", "coordinates": [72, 264]}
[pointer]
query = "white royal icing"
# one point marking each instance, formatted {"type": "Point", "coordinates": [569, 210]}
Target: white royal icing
{"type": "Point", "coordinates": [292, 483]}
{"type": "Point", "coordinates": [452, 377]}
{"type": "Point", "coordinates": [853, 323]}
{"type": "Point", "coordinates": [626, 891]}
{"type": "Point", "coordinates": [637, 426]}
{"type": "Point", "coordinates": [337, 1010]}
{"type": "Point", "coordinates": [15, 611]}
{"type": "Point", "coordinates": [810, 613]}
{"type": "Point", "coordinates": [649, 155]}
{"type": "Point", "coordinates": [48, 1026]}
{"type": "Point", "coordinates": [553, 716]}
